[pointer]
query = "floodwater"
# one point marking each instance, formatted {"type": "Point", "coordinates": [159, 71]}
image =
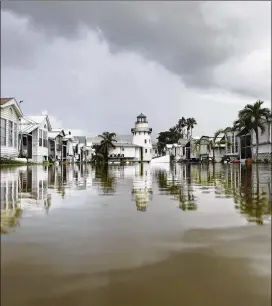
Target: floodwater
{"type": "Point", "coordinates": [136, 236]}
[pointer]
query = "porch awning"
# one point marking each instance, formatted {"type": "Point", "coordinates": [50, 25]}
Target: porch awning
{"type": "Point", "coordinates": [28, 128]}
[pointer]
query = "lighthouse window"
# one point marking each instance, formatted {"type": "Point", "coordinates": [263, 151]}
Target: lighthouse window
{"type": "Point", "coordinates": [145, 141]}
{"type": "Point", "coordinates": [123, 149]}
{"type": "Point", "coordinates": [145, 150]}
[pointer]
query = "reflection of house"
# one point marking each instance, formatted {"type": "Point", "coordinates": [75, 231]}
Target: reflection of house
{"type": "Point", "coordinates": [34, 137]}
{"type": "Point", "coordinates": [34, 188]}
{"type": "Point", "coordinates": [142, 187]}
{"type": "Point", "coordinates": [10, 119]}
{"type": "Point", "coordinates": [10, 202]}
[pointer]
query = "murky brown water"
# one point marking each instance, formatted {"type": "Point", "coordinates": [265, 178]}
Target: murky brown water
{"type": "Point", "coordinates": [136, 235]}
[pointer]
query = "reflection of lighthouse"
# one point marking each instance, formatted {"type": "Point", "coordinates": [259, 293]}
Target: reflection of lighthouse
{"type": "Point", "coordinates": [142, 186]}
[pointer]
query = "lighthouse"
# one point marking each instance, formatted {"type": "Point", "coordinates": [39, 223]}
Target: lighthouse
{"type": "Point", "coordinates": [142, 138]}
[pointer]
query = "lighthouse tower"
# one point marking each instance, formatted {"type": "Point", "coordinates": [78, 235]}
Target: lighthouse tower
{"type": "Point", "coordinates": [142, 137]}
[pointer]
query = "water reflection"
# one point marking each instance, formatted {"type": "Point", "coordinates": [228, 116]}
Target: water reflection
{"type": "Point", "coordinates": [178, 184]}
{"type": "Point", "coordinates": [10, 203]}
{"type": "Point", "coordinates": [142, 186]}
{"type": "Point", "coordinates": [31, 188]}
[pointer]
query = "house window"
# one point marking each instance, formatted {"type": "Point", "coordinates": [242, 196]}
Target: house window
{"type": "Point", "coordinates": [236, 145]}
{"type": "Point", "coordinates": [145, 141]}
{"type": "Point", "coordinates": [3, 132]}
{"type": "Point", "coordinates": [145, 150]}
{"type": "Point", "coordinates": [156, 151]}
{"type": "Point", "coordinates": [40, 138]}
{"type": "Point", "coordinates": [229, 144]}
{"type": "Point", "coordinates": [15, 135]}
{"type": "Point", "coordinates": [45, 141]}
{"type": "Point", "coordinates": [150, 150]}
{"type": "Point", "coordinates": [10, 133]}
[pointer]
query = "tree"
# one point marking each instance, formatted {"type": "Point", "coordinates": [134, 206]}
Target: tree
{"type": "Point", "coordinates": [253, 117]}
{"type": "Point", "coordinates": [181, 126]}
{"type": "Point", "coordinates": [190, 123]}
{"type": "Point", "coordinates": [167, 137]}
{"type": "Point", "coordinates": [107, 142]}
{"type": "Point", "coordinates": [210, 142]}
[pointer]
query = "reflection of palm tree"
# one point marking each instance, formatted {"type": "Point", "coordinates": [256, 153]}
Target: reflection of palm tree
{"type": "Point", "coordinates": [251, 201]}
{"type": "Point", "coordinates": [177, 189]}
{"type": "Point", "coordinates": [107, 182]}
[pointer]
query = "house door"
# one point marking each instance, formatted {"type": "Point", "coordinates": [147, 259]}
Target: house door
{"type": "Point", "coordinates": [188, 153]}
{"type": "Point", "coordinates": [29, 146]}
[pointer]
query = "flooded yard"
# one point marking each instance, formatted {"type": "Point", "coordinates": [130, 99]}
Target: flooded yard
{"type": "Point", "coordinates": [136, 235]}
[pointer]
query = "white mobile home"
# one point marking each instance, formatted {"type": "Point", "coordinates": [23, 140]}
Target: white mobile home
{"type": "Point", "coordinates": [34, 137]}
{"type": "Point", "coordinates": [265, 141]}
{"type": "Point", "coordinates": [11, 115]}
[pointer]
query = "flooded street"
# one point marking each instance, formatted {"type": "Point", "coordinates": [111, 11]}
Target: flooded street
{"type": "Point", "coordinates": [136, 235]}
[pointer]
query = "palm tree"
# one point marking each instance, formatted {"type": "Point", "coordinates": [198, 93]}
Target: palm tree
{"type": "Point", "coordinates": [254, 117]}
{"type": "Point", "coordinates": [180, 127]}
{"type": "Point", "coordinates": [211, 143]}
{"type": "Point", "coordinates": [190, 123]}
{"type": "Point", "coordinates": [107, 143]}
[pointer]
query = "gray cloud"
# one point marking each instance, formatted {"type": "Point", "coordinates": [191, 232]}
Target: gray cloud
{"type": "Point", "coordinates": [95, 66]}
{"type": "Point", "coordinates": [186, 37]}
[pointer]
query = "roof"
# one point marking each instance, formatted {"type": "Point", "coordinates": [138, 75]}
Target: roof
{"type": "Point", "coordinates": [141, 116]}
{"type": "Point", "coordinates": [30, 123]}
{"type": "Point", "coordinates": [56, 132]}
{"type": "Point", "coordinates": [5, 102]}
{"type": "Point", "coordinates": [124, 144]}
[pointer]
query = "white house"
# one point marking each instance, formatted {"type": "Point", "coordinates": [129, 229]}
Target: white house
{"type": "Point", "coordinates": [70, 143]}
{"type": "Point", "coordinates": [137, 149]}
{"type": "Point", "coordinates": [232, 147]}
{"type": "Point", "coordinates": [57, 148]}
{"type": "Point", "coordinates": [34, 137]}
{"type": "Point", "coordinates": [265, 143]}
{"type": "Point", "coordinates": [11, 114]}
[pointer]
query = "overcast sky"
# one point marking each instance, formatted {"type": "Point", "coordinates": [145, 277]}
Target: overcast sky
{"type": "Point", "coordinates": [94, 66]}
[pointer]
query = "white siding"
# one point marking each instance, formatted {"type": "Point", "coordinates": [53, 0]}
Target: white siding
{"type": "Point", "coordinates": [9, 113]}
{"type": "Point", "coordinates": [39, 153]}
{"type": "Point", "coordinates": [129, 152]}
{"type": "Point", "coordinates": [231, 148]}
